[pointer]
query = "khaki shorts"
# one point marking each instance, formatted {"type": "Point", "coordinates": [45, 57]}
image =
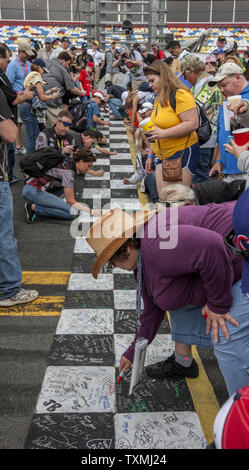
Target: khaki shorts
{"type": "Point", "coordinates": [52, 115]}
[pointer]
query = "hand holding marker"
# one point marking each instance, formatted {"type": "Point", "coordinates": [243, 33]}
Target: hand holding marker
{"type": "Point", "coordinates": [121, 374]}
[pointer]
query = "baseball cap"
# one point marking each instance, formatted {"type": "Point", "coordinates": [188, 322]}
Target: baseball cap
{"type": "Point", "coordinates": [65, 39]}
{"type": "Point", "coordinates": [41, 63]}
{"type": "Point", "coordinates": [145, 107]}
{"type": "Point", "coordinates": [210, 58]}
{"type": "Point", "coordinates": [154, 43]}
{"type": "Point", "coordinates": [241, 230]}
{"type": "Point", "coordinates": [96, 43]}
{"type": "Point", "coordinates": [90, 64]}
{"type": "Point", "coordinates": [189, 61]}
{"type": "Point", "coordinates": [218, 51]}
{"type": "Point", "coordinates": [222, 38]}
{"type": "Point", "coordinates": [48, 40]}
{"type": "Point", "coordinates": [231, 425]}
{"type": "Point", "coordinates": [229, 68]}
{"type": "Point", "coordinates": [99, 94]}
{"type": "Point", "coordinates": [123, 49]}
{"type": "Point", "coordinates": [25, 47]}
{"type": "Point", "coordinates": [84, 45]}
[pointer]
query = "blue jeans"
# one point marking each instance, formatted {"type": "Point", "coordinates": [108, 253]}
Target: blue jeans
{"type": "Point", "coordinates": [150, 185]}
{"type": "Point", "coordinates": [10, 268]}
{"type": "Point", "coordinates": [47, 204]}
{"type": "Point", "coordinates": [189, 327]}
{"type": "Point", "coordinates": [116, 107]}
{"type": "Point", "coordinates": [11, 160]}
{"type": "Point", "coordinates": [127, 79]}
{"type": "Point", "coordinates": [204, 165]}
{"type": "Point", "coordinates": [31, 125]}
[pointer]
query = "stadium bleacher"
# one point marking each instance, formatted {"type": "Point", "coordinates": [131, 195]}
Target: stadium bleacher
{"type": "Point", "coordinates": [12, 34]}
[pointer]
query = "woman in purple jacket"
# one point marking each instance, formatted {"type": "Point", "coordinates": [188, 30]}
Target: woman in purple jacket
{"type": "Point", "coordinates": [188, 270]}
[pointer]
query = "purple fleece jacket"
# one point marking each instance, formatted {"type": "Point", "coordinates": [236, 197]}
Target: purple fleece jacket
{"type": "Point", "coordinates": [199, 270]}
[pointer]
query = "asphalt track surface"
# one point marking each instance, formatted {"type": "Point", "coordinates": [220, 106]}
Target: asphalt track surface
{"type": "Point", "coordinates": [46, 251]}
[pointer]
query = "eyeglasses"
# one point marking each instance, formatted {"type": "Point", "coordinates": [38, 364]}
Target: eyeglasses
{"type": "Point", "coordinates": [169, 204]}
{"type": "Point", "coordinates": [66, 124]}
{"type": "Point", "coordinates": [235, 250]}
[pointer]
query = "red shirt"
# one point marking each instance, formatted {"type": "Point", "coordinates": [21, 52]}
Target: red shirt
{"type": "Point", "coordinates": [86, 81]}
{"type": "Point", "coordinates": [159, 54]}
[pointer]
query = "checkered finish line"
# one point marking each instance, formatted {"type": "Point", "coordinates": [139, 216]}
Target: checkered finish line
{"type": "Point", "coordinates": [80, 405]}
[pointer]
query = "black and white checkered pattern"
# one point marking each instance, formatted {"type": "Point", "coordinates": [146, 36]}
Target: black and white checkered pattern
{"type": "Point", "coordinates": [80, 405]}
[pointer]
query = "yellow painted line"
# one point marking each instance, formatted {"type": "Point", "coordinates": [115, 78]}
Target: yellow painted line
{"type": "Point", "coordinates": [204, 399]}
{"type": "Point", "coordinates": [46, 277]}
{"type": "Point", "coordinates": [46, 306]}
{"type": "Point", "coordinates": [203, 396]}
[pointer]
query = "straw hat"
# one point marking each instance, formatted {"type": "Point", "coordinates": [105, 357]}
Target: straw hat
{"type": "Point", "coordinates": [111, 231]}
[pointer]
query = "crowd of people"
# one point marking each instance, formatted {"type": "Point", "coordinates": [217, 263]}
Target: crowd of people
{"type": "Point", "coordinates": [182, 160]}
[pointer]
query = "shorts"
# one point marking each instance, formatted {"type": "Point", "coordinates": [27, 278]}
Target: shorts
{"type": "Point", "coordinates": [190, 159]}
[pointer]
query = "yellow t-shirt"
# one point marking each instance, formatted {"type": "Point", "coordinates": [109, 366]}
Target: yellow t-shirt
{"type": "Point", "coordinates": [166, 117]}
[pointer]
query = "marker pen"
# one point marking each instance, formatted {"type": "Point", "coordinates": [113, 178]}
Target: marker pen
{"type": "Point", "coordinates": [120, 377]}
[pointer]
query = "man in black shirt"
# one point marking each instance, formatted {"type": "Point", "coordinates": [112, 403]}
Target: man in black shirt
{"type": "Point", "coordinates": [13, 99]}
{"type": "Point", "coordinates": [148, 58]}
{"type": "Point", "coordinates": [83, 58]}
{"type": "Point", "coordinates": [114, 99]}
{"type": "Point", "coordinates": [10, 268]}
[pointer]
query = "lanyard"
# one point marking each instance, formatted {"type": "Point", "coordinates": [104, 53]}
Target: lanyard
{"type": "Point", "coordinates": [60, 143]}
{"type": "Point", "coordinates": [24, 71]}
{"type": "Point", "coordinates": [139, 288]}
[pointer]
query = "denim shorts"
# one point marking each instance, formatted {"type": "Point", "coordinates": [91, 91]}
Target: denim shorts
{"type": "Point", "coordinates": [188, 326]}
{"type": "Point", "coordinates": [190, 159]}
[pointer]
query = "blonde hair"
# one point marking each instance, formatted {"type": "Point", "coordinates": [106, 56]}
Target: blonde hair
{"type": "Point", "coordinates": [232, 58]}
{"type": "Point", "coordinates": [178, 193]}
{"type": "Point", "coordinates": [139, 141]}
{"type": "Point", "coordinates": [168, 79]}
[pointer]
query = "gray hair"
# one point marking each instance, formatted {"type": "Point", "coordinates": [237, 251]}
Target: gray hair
{"type": "Point", "coordinates": [177, 193]}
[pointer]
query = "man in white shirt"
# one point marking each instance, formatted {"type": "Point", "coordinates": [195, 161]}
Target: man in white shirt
{"type": "Point", "coordinates": [46, 52]}
{"type": "Point", "coordinates": [98, 60]}
{"type": "Point", "coordinates": [65, 43]}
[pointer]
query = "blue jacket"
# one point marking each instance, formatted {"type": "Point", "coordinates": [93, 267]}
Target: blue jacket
{"type": "Point", "coordinates": [228, 160]}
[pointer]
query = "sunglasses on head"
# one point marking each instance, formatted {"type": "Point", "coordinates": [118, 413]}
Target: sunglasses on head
{"type": "Point", "coordinates": [236, 250]}
{"type": "Point", "coordinates": [66, 124]}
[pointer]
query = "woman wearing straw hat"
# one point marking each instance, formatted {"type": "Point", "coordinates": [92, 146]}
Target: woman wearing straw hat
{"type": "Point", "coordinates": [193, 275]}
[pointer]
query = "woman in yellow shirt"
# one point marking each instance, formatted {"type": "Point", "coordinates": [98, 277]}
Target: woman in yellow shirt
{"type": "Point", "coordinates": [174, 130]}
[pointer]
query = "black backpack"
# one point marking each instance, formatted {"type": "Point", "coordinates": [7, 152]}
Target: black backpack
{"type": "Point", "coordinates": [78, 113]}
{"type": "Point", "coordinates": [204, 131]}
{"type": "Point", "coordinates": [38, 162]}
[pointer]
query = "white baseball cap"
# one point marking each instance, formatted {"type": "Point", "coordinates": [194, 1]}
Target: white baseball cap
{"type": "Point", "coordinates": [145, 107]}
{"type": "Point", "coordinates": [99, 94]}
{"type": "Point", "coordinates": [229, 68]}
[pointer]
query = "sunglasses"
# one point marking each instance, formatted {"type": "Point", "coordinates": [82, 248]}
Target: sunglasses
{"type": "Point", "coordinates": [235, 250]}
{"type": "Point", "coordinates": [66, 124]}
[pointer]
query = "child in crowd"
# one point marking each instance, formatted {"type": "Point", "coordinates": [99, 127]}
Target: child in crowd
{"type": "Point", "coordinates": [148, 180]}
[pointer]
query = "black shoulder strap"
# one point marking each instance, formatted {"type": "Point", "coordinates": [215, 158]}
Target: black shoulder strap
{"type": "Point", "coordinates": [172, 99]}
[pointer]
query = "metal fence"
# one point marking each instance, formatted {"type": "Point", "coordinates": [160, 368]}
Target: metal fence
{"type": "Point", "coordinates": [116, 11]}
{"type": "Point", "coordinates": [103, 18]}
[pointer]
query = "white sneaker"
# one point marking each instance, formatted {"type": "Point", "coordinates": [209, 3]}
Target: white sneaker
{"type": "Point", "coordinates": [22, 297]}
{"type": "Point", "coordinates": [21, 150]}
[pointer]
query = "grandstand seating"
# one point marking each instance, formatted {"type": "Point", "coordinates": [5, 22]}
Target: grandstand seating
{"type": "Point", "coordinates": [12, 34]}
